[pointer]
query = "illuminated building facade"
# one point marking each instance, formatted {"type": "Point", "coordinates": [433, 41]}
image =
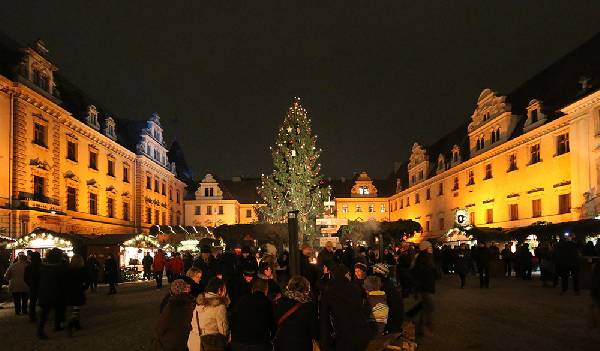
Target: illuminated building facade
{"type": "Point", "coordinates": [218, 202]}
{"type": "Point", "coordinates": [68, 165]}
{"type": "Point", "coordinates": [525, 157]}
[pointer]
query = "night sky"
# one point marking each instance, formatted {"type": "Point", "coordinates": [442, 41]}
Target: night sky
{"type": "Point", "coordinates": [374, 78]}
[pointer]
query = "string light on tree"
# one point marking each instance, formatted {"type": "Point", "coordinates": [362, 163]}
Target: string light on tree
{"type": "Point", "coordinates": [295, 183]}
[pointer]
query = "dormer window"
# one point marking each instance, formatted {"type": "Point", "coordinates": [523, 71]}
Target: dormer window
{"type": "Point", "coordinates": [363, 190]}
{"type": "Point", "coordinates": [534, 114]}
{"type": "Point", "coordinates": [480, 143]}
{"type": "Point", "coordinates": [441, 163]}
{"type": "Point", "coordinates": [495, 135]}
{"type": "Point", "coordinates": [92, 117]}
{"type": "Point", "coordinates": [40, 79]}
{"type": "Point", "coordinates": [456, 154]}
{"type": "Point", "coordinates": [109, 128]}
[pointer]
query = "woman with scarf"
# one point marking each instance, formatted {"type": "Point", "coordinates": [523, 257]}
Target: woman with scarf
{"type": "Point", "coordinates": [296, 317]}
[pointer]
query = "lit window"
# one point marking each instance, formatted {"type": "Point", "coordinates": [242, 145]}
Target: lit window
{"type": "Point", "coordinates": [536, 208]}
{"type": "Point", "coordinates": [535, 154]}
{"type": "Point", "coordinates": [564, 203]}
{"type": "Point", "coordinates": [358, 208]}
{"type": "Point", "coordinates": [382, 209]}
{"type": "Point", "coordinates": [371, 208]}
{"type": "Point", "coordinates": [345, 209]}
{"type": "Point", "coordinates": [512, 162]}
{"type": "Point", "coordinates": [248, 213]}
{"type": "Point", "coordinates": [197, 210]}
{"type": "Point", "coordinates": [363, 190]}
{"type": "Point", "coordinates": [488, 171]}
{"type": "Point", "coordinates": [93, 203]}
{"type": "Point", "coordinates": [489, 216]}
{"type": "Point", "coordinates": [514, 212]}
{"type": "Point", "coordinates": [471, 178]}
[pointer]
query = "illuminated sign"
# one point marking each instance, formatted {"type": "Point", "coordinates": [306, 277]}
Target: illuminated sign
{"type": "Point", "coordinates": [461, 217]}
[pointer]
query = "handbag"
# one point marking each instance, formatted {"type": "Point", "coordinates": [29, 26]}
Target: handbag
{"type": "Point", "coordinates": [211, 342]}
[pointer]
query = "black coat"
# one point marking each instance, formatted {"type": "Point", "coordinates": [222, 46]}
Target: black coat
{"type": "Point", "coordinates": [308, 270]}
{"type": "Point", "coordinates": [52, 284]}
{"type": "Point", "coordinates": [343, 313]}
{"type": "Point", "coordinates": [173, 327]}
{"type": "Point", "coordinates": [32, 277]}
{"type": "Point", "coordinates": [238, 288]}
{"type": "Point", "coordinates": [76, 284]}
{"type": "Point", "coordinates": [461, 265]}
{"type": "Point", "coordinates": [566, 255]}
{"type": "Point", "coordinates": [395, 304]}
{"type": "Point", "coordinates": [252, 320]}
{"type": "Point", "coordinates": [297, 331]}
{"type": "Point", "coordinates": [111, 270]}
{"type": "Point", "coordinates": [424, 273]}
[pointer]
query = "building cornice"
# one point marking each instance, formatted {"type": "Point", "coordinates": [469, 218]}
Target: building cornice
{"type": "Point", "coordinates": [582, 104]}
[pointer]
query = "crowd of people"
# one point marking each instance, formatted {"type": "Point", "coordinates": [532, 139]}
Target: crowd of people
{"type": "Point", "coordinates": [347, 299]}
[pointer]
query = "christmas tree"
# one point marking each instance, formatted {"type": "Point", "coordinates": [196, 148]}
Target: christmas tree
{"type": "Point", "coordinates": [295, 183]}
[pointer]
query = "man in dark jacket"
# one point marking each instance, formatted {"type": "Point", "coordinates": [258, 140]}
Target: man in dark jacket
{"type": "Point", "coordinates": [32, 278]}
{"type": "Point", "coordinates": [567, 262]}
{"type": "Point", "coordinates": [308, 270]}
{"type": "Point", "coordinates": [424, 273]}
{"type": "Point", "coordinates": [483, 264]}
{"type": "Point", "coordinates": [147, 263]}
{"type": "Point", "coordinates": [252, 321]}
{"type": "Point", "coordinates": [507, 257]}
{"type": "Point", "coordinates": [325, 255]}
{"type": "Point", "coordinates": [207, 263]}
{"type": "Point", "coordinates": [111, 269]}
{"type": "Point", "coordinates": [52, 291]}
{"type": "Point", "coordinates": [342, 310]}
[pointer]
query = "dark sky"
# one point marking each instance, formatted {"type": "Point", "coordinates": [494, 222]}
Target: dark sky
{"type": "Point", "coordinates": [374, 78]}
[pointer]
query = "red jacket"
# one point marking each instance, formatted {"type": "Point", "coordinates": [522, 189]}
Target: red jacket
{"type": "Point", "coordinates": [158, 265]}
{"type": "Point", "coordinates": [176, 265]}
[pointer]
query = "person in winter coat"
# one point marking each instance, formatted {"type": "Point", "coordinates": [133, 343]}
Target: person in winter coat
{"type": "Point", "coordinates": [265, 271]}
{"type": "Point", "coordinates": [461, 266]}
{"type": "Point", "coordinates": [32, 278]}
{"type": "Point", "coordinates": [111, 270]}
{"type": "Point", "coordinates": [176, 266]}
{"type": "Point", "coordinates": [378, 307]}
{"type": "Point", "coordinates": [308, 270]}
{"type": "Point", "coordinates": [15, 275]}
{"type": "Point", "coordinates": [296, 318]}
{"type": "Point", "coordinates": [158, 266]}
{"type": "Point", "coordinates": [595, 294]}
{"type": "Point", "coordinates": [93, 269]}
{"type": "Point", "coordinates": [172, 329]}
{"type": "Point", "coordinates": [252, 324]}
{"type": "Point", "coordinates": [424, 273]}
{"type": "Point", "coordinates": [188, 261]}
{"type": "Point", "coordinates": [193, 276]}
{"type": "Point", "coordinates": [348, 256]}
{"type": "Point", "coordinates": [147, 263]}
{"type": "Point", "coordinates": [52, 291]}
{"type": "Point", "coordinates": [360, 273]}
{"type": "Point", "coordinates": [241, 286]}
{"type": "Point", "coordinates": [210, 315]}
{"type": "Point", "coordinates": [507, 258]}
{"type": "Point", "coordinates": [207, 263]}
{"type": "Point", "coordinates": [325, 255]}
{"type": "Point", "coordinates": [77, 284]}
{"type": "Point", "coordinates": [393, 296]}
{"type": "Point", "coordinates": [567, 263]}
{"type": "Point", "coordinates": [342, 315]}
{"type": "Point", "coordinates": [483, 264]}
{"type": "Point", "coordinates": [246, 261]}
{"type": "Point", "coordinates": [525, 263]}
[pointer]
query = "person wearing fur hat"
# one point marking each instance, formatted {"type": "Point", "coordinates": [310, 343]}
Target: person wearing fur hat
{"type": "Point", "coordinates": [424, 273]}
{"type": "Point", "coordinates": [172, 329]}
{"type": "Point", "coordinates": [210, 317]}
{"type": "Point", "coordinates": [393, 297]}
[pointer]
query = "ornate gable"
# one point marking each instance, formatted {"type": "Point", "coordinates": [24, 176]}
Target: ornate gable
{"type": "Point", "coordinates": [417, 155]}
{"type": "Point", "coordinates": [489, 106]}
{"type": "Point", "coordinates": [363, 187]}
{"type": "Point", "coordinates": [110, 128]}
{"type": "Point", "coordinates": [418, 165]}
{"type": "Point", "coordinates": [209, 189]}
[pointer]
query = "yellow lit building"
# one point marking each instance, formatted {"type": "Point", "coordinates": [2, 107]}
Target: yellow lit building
{"type": "Point", "coordinates": [363, 203]}
{"type": "Point", "coordinates": [218, 202]}
{"type": "Point", "coordinates": [524, 157]}
{"type": "Point", "coordinates": [70, 166]}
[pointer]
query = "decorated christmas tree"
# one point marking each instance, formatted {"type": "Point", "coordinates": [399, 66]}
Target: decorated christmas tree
{"type": "Point", "coordinates": [296, 183]}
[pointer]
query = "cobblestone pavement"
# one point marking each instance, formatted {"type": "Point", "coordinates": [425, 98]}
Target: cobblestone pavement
{"type": "Point", "coordinates": [511, 315]}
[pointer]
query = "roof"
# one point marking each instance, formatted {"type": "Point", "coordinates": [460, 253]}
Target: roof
{"type": "Point", "coordinates": [242, 190]}
{"type": "Point", "coordinates": [342, 187]}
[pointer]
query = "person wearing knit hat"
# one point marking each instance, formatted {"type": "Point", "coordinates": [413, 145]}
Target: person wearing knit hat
{"type": "Point", "coordinates": [381, 268]}
{"type": "Point", "coordinates": [360, 273]}
{"type": "Point", "coordinates": [179, 286]}
{"type": "Point", "coordinates": [425, 245]}
{"type": "Point", "coordinates": [172, 329]}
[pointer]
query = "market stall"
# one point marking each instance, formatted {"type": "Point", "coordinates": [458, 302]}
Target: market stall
{"type": "Point", "coordinates": [42, 240]}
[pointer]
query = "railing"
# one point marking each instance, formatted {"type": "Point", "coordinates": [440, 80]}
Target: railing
{"type": "Point", "coordinates": [38, 201]}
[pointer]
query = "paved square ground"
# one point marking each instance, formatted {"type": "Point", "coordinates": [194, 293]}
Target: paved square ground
{"type": "Point", "coordinates": [511, 315]}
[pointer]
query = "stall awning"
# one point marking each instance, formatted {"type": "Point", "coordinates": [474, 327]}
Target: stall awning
{"type": "Point", "coordinates": [41, 238]}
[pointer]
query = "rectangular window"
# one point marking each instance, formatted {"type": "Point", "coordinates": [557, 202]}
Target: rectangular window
{"type": "Point", "coordinates": [164, 218]}
{"type": "Point", "coordinates": [248, 213]}
{"type": "Point", "coordinates": [514, 212]}
{"type": "Point", "coordinates": [71, 199]}
{"type": "Point", "coordinates": [441, 189]}
{"type": "Point", "coordinates": [417, 198]}
{"type": "Point", "coordinates": [414, 179]}
{"type": "Point", "coordinates": [536, 208]}
{"type": "Point", "coordinates": [489, 216]}
{"type": "Point", "coordinates": [534, 154]}
{"type": "Point", "coordinates": [156, 186]}
{"type": "Point", "coordinates": [401, 203]}
{"type": "Point", "coordinates": [382, 209]}
{"type": "Point", "coordinates": [111, 168]}
{"type": "Point", "coordinates": [148, 215]}
{"type": "Point", "coordinates": [420, 175]}
{"type": "Point", "coordinates": [208, 210]}
{"type": "Point", "coordinates": [407, 201]}
{"type": "Point", "coordinates": [39, 134]}
{"type": "Point", "coordinates": [358, 208]}
{"type": "Point", "coordinates": [71, 151]}
{"type": "Point", "coordinates": [38, 188]}
{"type": "Point", "coordinates": [512, 162]}
{"type": "Point", "coordinates": [125, 174]}
{"type": "Point", "coordinates": [171, 195]}
{"type": "Point", "coordinates": [442, 224]}
{"type": "Point", "coordinates": [564, 203]}
{"type": "Point", "coordinates": [156, 216]}
{"type": "Point", "coordinates": [206, 192]}
{"type": "Point", "coordinates": [93, 160]}
{"type": "Point", "coordinates": [126, 211]}
{"type": "Point", "coordinates": [110, 207]}
{"type": "Point", "coordinates": [534, 115]}
{"type": "Point", "coordinates": [164, 189]}
{"type": "Point", "coordinates": [178, 199]}
{"type": "Point", "coordinates": [562, 144]}
{"type": "Point", "coordinates": [178, 219]}
{"type": "Point", "coordinates": [471, 178]}
{"type": "Point", "coordinates": [428, 194]}
{"type": "Point", "coordinates": [93, 203]}
{"type": "Point", "coordinates": [371, 208]}
{"type": "Point", "coordinates": [472, 218]}
{"type": "Point", "coordinates": [220, 210]}
{"type": "Point", "coordinates": [345, 209]}
{"type": "Point", "coordinates": [197, 211]}
{"type": "Point", "coordinates": [426, 226]}
{"type": "Point", "coordinates": [488, 171]}
{"type": "Point", "coordinates": [455, 187]}
{"type": "Point", "coordinates": [148, 182]}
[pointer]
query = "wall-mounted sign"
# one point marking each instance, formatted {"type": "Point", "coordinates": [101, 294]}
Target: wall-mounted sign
{"type": "Point", "coordinates": [461, 217]}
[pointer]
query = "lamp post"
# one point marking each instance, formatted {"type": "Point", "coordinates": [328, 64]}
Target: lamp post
{"type": "Point", "coordinates": [294, 263]}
